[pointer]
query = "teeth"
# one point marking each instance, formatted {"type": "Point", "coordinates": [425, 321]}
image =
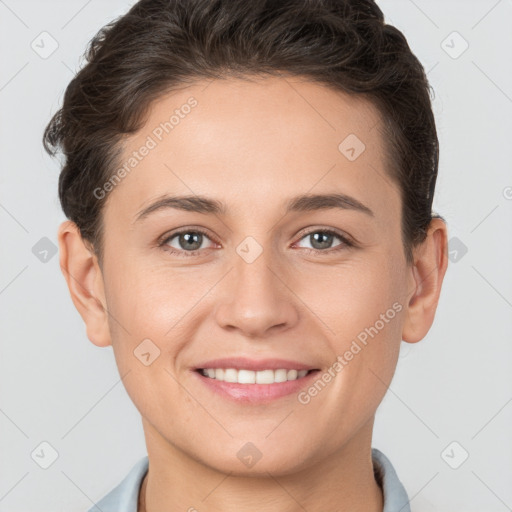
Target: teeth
{"type": "Point", "coordinates": [251, 377]}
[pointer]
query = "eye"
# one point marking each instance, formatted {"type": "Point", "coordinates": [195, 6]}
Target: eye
{"type": "Point", "coordinates": [188, 242]}
{"type": "Point", "coordinates": [321, 240]}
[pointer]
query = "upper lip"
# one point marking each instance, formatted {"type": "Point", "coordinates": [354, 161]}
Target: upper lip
{"type": "Point", "coordinates": [243, 363]}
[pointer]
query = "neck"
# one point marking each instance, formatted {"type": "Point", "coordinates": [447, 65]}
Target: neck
{"type": "Point", "coordinates": [343, 482]}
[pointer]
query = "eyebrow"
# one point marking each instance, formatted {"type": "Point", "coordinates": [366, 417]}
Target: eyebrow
{"type": "Point", "coordinates": [302, 203]}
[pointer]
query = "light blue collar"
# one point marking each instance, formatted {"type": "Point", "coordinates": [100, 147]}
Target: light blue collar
{"type": "Point", "coordinates": [394, 494]}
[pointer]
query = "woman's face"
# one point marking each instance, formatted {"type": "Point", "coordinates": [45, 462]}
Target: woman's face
{"type": "Point", "coordinates": [264, 281]}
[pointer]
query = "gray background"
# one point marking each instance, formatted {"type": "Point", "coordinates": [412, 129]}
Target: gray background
{"type": "Point", "coordinates": [454, 386]}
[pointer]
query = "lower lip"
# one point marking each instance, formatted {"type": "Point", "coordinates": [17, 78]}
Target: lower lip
{"type": "Point", "coordinates": [256, 393]}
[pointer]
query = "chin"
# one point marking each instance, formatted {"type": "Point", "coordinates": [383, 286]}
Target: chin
{"type": "Point", "coordinates": [249, 461]}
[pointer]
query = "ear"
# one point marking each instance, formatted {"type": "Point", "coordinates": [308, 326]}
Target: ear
{"type": "Point", "coordinates": [83, 275]}
{"type": "Point", "coordinates": [427, 273]}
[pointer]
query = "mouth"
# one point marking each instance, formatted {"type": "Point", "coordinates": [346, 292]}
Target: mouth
{"type": "Point", "coordinates": [257, 387]}
{"type": "Point", "coordinates": [259, 381]}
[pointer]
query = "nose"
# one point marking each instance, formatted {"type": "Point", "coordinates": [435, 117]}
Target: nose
{"type": "Point", "coordinates": [257, 299]}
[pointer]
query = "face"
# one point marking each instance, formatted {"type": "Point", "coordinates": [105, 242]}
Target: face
{"type": "Point", "coordinates": [322, 283]}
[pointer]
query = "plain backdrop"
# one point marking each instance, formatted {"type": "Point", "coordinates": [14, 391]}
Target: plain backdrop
{"type": "Point", "coordinates": [446, 420]}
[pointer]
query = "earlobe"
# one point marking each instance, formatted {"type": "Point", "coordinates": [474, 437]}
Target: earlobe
{"type": "Point", "coordinates": [427, 274]}
{"type": "Point", "coordinates": [80, 268]}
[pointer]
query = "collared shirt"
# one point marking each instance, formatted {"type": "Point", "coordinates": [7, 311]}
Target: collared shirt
{"type": "Point", "coordinates": [124, 497]}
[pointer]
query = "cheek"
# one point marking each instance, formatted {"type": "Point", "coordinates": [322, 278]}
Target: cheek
{"type": "Point", "coordinates": [138, 311]}
{"type": "Point", "coordinates": [362, 307]}
{"type": "Point", "coordinates": [145, 311]}
{"type": "Point", "coordinates": [351, 297]}
{"type": "Point", "coordinates": [147, 299]}
{"type": "Point", "coordinates": [155, 309]}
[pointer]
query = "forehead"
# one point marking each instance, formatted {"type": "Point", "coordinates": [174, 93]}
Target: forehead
{"type": "Point", "coordinates": [263, 140]}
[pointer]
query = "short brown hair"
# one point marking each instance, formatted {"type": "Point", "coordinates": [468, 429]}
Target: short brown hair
{"type": "Point", "coordinates": [162, 44]}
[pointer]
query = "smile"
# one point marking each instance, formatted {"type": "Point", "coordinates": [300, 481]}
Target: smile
{"type": "Point", "coordinates": [254, 387]}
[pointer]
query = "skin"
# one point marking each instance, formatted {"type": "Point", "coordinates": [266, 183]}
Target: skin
{"type": "Point", "coordinates": [253, 145]}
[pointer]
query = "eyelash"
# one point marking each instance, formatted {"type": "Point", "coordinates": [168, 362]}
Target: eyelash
{"type": "Point", "coordinates": [346, 243]}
